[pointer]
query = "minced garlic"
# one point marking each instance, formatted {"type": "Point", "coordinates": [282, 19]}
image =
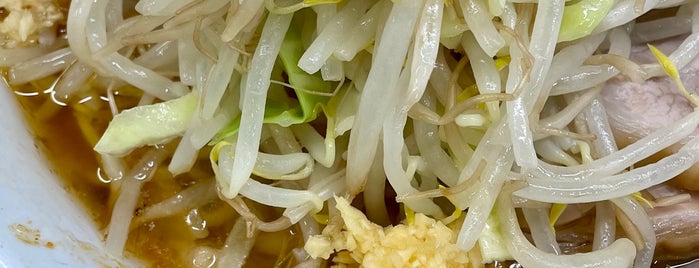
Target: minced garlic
{"type": "Point", "coordinates": [423, 243]}
{"type": "Point", "coordinates": [24, 19]}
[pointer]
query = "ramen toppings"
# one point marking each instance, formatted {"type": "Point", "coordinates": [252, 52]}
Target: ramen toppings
{"type": "Point", "coordinates": [420, 242]}
{"type": "Point", "coordinates": [474, 130]}
{"type": "Point", "coordinates": [24, 21]}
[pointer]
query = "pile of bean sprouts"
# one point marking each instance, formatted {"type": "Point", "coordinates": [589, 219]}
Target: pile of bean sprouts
{"type": "Point", "coordinates": [479, 103]}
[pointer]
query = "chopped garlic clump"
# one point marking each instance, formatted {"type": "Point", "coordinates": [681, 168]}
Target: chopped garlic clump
{"type": "Point", "coordinates": [24, 19]}
{"type": "Point", "coordinates": [422, 243]}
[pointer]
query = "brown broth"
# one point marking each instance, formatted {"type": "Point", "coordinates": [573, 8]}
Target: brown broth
{"type": "Point", "coordinates": [165, 242]}
{"type": "Point", "coordinates": [70, 155]}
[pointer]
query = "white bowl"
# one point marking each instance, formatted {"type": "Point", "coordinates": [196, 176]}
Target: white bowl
{"type": "Point", "coordinates": [41, 225]}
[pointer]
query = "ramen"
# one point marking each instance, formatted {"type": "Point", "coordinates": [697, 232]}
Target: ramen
{"type": "Point", "coordinates": [375, 133]}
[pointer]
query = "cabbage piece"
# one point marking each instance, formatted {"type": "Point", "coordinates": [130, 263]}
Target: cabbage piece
{"type": "Point", "coordinates": [284, 110]}
{"type": "Point", "coordinates": [491, 243]}
{"type": "Point", "coordinates": [582, 17]}
{"type": "Point", "coordinates": [147, 125]}
{"type": "Point", "coordinates": [304, 84]}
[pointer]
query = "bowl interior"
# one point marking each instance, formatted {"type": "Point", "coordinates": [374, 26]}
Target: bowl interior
{"type": "Point", "coordinates": [41, 225]}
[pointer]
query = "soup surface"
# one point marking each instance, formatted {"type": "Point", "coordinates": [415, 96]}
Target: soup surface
{"type": "Point", "coordinates": [165, 242]}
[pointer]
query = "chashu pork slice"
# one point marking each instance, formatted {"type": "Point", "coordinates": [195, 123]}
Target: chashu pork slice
{"type": "Point", "coordinates": [637, 109]}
